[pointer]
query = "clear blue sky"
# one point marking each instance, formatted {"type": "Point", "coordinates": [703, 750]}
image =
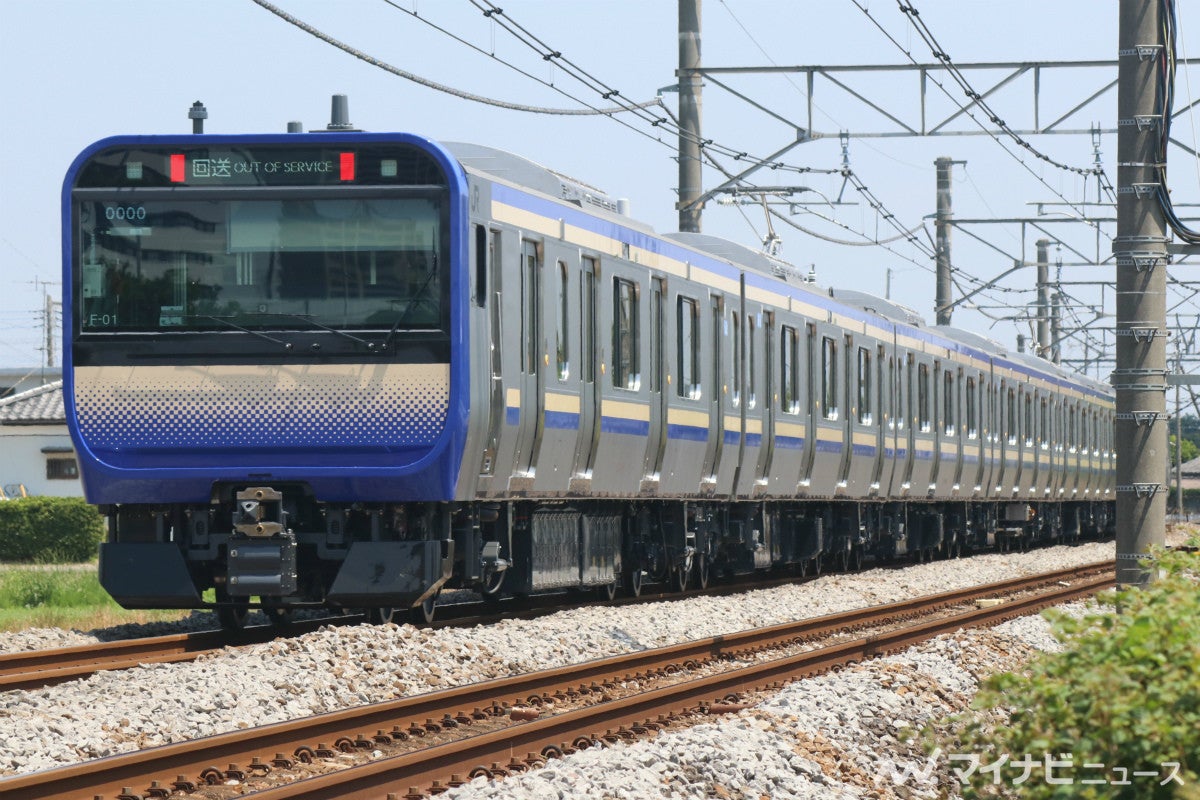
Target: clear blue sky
{"type": "Point", "coordinates": [73, 71]}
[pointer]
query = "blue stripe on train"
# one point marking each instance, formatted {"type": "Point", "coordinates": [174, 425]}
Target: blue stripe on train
{"type": "Point", "coordinates": [629, 427]}
{"type": "Point", "coordinates": [687, 433]}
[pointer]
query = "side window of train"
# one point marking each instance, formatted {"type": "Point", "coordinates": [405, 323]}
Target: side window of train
{"type": "Point", "coordinates": [829, 378]}
{"type": "Point", "coordinates": [625, 334]}
{"type": "Point", "coordinates": [789, 371]}
{"type": "Point", "coordinates": [687, 351]}
{"type": "Point", "coordinates": [482, 256]}
{"type": "Point", "coordinates": [562, 349]}
{"type": "Point", "coordinates": [865, 410]}
{"type": "Point", "coordinates": [924, 422]}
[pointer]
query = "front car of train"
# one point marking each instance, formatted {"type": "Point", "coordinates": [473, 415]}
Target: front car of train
{"type": "Point", "coordinates": [262, 353]}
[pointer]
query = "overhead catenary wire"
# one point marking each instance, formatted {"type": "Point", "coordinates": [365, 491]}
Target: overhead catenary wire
{"type": "Point", "coordinates": [411, 76]}
{"type": "Point", "coordinates": [636, 110]}
{"type": "Point", "coordinates": [941, 55]}
{"type": "Point", "coordinates": [958, 276]}
{"type": "Point", "coordinates": [607, 91]}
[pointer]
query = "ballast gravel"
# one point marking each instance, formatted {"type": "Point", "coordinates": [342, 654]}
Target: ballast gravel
{"type": "Point", "coordinates": [338, 667]}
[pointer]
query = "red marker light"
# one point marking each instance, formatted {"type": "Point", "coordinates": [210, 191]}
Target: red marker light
{"type": "Point", "coordinates": [177, 167]}
{"type": "Point", "coordinates": [347, 166]}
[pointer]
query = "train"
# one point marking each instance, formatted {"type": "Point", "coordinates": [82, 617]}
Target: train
{"type": "Point", "coordinates": [353, 370]}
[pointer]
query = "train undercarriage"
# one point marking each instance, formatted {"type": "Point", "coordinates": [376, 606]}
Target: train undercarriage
{"type": "Point", "coordinates": [278, 548]}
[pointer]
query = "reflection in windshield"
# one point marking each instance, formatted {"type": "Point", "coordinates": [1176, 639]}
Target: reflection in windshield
{"type": "Point", "coordinates": [272, 264]}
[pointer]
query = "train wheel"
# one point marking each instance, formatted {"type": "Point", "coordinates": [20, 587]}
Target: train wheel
{"type": "Point", "coordinates": [423, 613]}
{"type": "Point", "coordinates": [275, 613]}
{"type": "Point", "coordinates": [233, 618]}
{"type": "Point", "coordinates": [633, 582]}
{"type": "Point", "coordinates": [608, 591]}
{"type": "Point", "coordinates": [702, 571]}
{"type": "Point", "coordinates": [681, 578]}
{"type": "Point", "coordinates": [233, 615]}
{"type": "Point", "coordinates": [816, 564]}
{"type": "Point", "coordinates": [490, 591]}
{"type": "Point", "coordinates": [854, 559]}
{"type": "Point", "coordinates": [380, 615]}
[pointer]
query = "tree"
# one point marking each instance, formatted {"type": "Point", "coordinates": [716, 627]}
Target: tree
{"type": "Point", "coordinates": [1189, 425]}
{"type": "Point", "coordinates": [1188, 449]}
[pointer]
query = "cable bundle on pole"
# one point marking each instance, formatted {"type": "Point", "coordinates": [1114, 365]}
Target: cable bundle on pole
{"type": "Point", "coordinates": [1166, 85]}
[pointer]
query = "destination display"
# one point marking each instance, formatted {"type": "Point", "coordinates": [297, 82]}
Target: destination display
{"type": "Point", "coordinates": [277, 165]}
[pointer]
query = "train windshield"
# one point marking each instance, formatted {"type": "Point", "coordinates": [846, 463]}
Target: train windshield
{"type": "Point", "coordinates": [215, 263]}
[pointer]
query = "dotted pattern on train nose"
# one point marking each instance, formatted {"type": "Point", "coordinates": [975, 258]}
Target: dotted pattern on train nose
{"type": "Point", "coordinates": [250, 411]}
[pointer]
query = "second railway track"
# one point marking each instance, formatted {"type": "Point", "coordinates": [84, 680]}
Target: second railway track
{"type": "Point", "coordinates": [32, 669]}
{"type": "Point", "coordinates": [473, 726]}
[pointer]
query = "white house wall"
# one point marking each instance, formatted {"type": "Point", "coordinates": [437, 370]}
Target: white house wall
{"type": "Point", "coordinates": [23, 462]}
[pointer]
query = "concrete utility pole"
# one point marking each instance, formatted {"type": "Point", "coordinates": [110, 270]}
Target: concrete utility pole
{"type": "Point", "coordinates": [941, 226]}
{"type": "Point", "coordinates": [49, 323]}
{"type": "Point", "coordinates": [1043, 298]}
{"type": "Point", "coordinates": [1178, 449]}
{"type": "Point", "coordinates": [690, 175]}
{"type": "Point", "coordinates": [1140, 379]}
{"type": "Point", "coordinates": [1056, 301]}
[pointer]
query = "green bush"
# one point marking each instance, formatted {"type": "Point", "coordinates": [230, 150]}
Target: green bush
{"type": "Point", "coordinates": [1124, 696]}
{"type": "Point", "coordinates": [49, 530]}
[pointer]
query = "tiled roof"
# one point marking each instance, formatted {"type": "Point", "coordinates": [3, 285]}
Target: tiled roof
{"type": "Point", "coordinates": [1191, 467]}
{"type": "Point", "coordinates": [40, 406]}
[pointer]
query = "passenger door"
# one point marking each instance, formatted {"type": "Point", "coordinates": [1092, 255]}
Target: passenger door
{"type": "Point", "coordinates": [532, 375]}
{"type": "Point", "coordinates": [589, 395]}
{"type": "Point", "coordinates": [716, 417]}
{"type": "Point", "coordinates": [656, 370]}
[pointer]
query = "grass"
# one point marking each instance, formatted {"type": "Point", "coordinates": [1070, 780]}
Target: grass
{"type": "Point", "coordinates": [66, 596]}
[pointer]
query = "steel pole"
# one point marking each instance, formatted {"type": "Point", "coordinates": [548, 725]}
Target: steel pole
{"type": "Point", "coordinates": [690, 173]}
{"type": "Point", "coordinates": [1141, 282]}
{"type": "Point", "coordinates": [941, 226]}
{"type": "Point", "coordinates": [1056, 328]}
{"type": "Point", "coordinates": [1043, 298]}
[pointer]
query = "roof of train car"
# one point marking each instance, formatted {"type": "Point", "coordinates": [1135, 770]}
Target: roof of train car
{"type": "Point", "coordinates": [523, 172]}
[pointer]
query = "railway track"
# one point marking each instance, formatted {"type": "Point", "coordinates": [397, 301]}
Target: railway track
{"type": "Point", "coordinates": [37, 668]}
{"type": "Point", "coordinates": [451, 735]}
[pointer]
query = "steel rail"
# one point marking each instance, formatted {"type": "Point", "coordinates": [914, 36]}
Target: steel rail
{"type": "Point", "coordinates": [373, 780]}
{"type": "Point", "coordinates": [32, 669]}
{"type": "Point", "coordinates": [121, 775]}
